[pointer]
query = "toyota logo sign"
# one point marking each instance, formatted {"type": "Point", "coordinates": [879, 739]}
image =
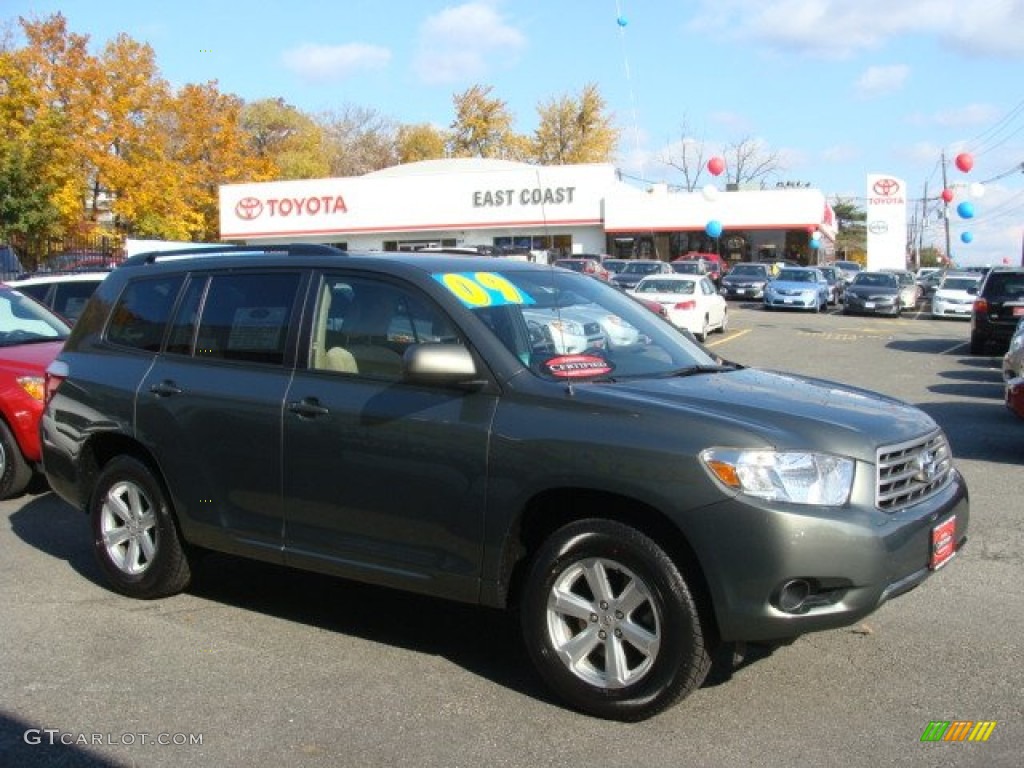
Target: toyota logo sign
{"type": "Point", "coordinates": [886, 187]}
{"type": "Point", "coordinates": [248, 208]}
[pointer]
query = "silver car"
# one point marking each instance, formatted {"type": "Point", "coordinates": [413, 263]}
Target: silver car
{"type": "Point", "coordinates": [910, 291]}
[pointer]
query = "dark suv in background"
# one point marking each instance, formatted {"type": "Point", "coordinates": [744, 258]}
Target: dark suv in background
{"type": "Point", "coordinates": [998, 307]}
{"type": "Point", "coordinates": [415, 421]}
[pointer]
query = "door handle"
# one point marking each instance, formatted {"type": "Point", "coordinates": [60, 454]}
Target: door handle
{"type": "Point", "coordinates": [165, 389]}
{"type": "Point", "coordinates": [308, 408]}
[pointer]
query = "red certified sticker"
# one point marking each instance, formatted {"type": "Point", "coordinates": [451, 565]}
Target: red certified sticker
{"type": "Point", "coordinates": [943, 543]}
{"type": "Point", "coordinates": [577, 366]}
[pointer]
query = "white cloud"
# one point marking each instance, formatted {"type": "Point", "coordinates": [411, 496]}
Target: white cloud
{"type": "Point", "coordinates": [879, 81]}
{"type": "Point", "coordinates": [463, 42]}
{"type": "Point", "coordinates": [840, 28]}
{"type": "Point", "coordinates": [326, 63]}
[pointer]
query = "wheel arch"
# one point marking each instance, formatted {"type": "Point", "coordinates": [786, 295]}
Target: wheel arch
{"type": "Point", "coordinates": [555, 508]}
{"type": "Point", "coordinates": [100, 450]}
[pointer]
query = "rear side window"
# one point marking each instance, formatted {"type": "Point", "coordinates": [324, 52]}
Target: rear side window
{"type": "Point", "coordinates": [1008, 285]}
{"type": "Point", "coordinates": [142, 311]}
{"type": "Point", "coordinates": [242, 317]}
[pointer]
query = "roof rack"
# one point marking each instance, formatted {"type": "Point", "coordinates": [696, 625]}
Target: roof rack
{"type": "Point", "coordinates": [292, 249]}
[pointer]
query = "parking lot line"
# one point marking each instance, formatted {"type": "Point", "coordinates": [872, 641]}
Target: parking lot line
{"type": "Point", "coordinates": [730, 337]}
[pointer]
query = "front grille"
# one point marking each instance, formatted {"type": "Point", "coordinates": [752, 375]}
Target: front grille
{"type": "Point", "coordinates": [911, 472]}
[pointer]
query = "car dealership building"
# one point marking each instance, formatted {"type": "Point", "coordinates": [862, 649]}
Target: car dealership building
{"type": "Point", "coordinates": [565, 209]}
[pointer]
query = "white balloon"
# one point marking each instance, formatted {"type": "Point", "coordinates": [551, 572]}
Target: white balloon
{"type": "Point", "coordinates": [710, 192]}
{"type": "Point", "coordinates": [977, 189]}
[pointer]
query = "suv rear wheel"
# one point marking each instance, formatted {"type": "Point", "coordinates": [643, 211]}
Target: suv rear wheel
{"type": "Point", "coordinates": [610, 623]}
{"type": "Point", "coordinates": [134, 534]}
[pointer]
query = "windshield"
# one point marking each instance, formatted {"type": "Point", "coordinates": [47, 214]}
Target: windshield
{"type": "Point", "coordinates": [875, 280]}
{"type": "Point", "coordinates": [796, 276]}
{"type": "Point", "coordinates": [565, 325]}
{"type": "Point", "coordinates": [25, 321]}
{"type": "Point", "coordinates": [748, 270]}
{"type": "Point", "coordinates": [641, 268]}
{"type": "Point", "coordinates": [958, 283]}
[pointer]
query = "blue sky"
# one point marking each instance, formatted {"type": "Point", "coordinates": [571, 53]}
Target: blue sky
{"type": "Point", "coordinates": [838, 88]}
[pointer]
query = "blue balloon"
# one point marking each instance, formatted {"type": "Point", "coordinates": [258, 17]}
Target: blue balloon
{"type": "Point", "coordinates": [966, 210]}
{"type": "Point", "coordinates": [622, 21]}
{"type": "Point", "coordinates": [966, 237]}
{"type": "Point", "coordinates": [815, 242]}
{"type": "Point", "coordinates": [714, 228]}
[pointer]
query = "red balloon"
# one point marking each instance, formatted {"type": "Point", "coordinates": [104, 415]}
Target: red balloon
{"type": "Point", "coordinates": [947, 195]}
{"type": "Point", "coordinates": [964, 162]}
{"type": "Point", "coordinates": [1006, 260]}
{"type": "Point", "coordinates": [716, 165]}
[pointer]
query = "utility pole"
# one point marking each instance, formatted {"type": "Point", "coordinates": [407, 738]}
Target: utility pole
{"type": "Point", "coordinates": [945, 211]}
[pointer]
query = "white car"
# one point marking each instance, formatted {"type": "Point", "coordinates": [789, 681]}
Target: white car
{"type": "Point", "coordinates": [951, 298]}
{"type": "Point", "coordinates": [66, 294]}
{"type": "Point", "coordinates": [690, 301]}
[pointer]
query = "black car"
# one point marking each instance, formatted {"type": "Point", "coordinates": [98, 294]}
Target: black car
{"type": "Point", "coordinates": [636, 270]}
{"type": "Point", "coordinates": [746, 280]}
{"type": "Point", "coordinates": [873, 293]}
{"type": "Point", "coordinates": [414, 421]}
{"type": "Point", "coordinates": [998, 307]}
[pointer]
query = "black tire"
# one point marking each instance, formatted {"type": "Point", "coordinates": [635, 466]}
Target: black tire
{"type": "Point", "coordinates": [15, 472]}
{"type": "Point", "coordinates": [658, 635]}
{"type": "Point", "coordinates": [977, 344]}
{"type": "Point", "coordinates": [135, 537]}
{"type": "Point", "coordinates": [704, 332]}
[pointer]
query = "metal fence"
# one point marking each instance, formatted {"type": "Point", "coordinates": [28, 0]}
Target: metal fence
{"type": "Point", "coordinates": [35, 254]}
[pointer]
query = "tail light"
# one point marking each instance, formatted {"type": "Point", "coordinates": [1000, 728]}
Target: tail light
{"type": "Point", "coordinates": [981, 306]}
{"type": "Point", "coordinates": [56, 372]}
{"type": "Point", "coordinates": [684, 305]}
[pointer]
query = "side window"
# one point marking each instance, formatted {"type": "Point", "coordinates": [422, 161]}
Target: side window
{"type": "Point", "coordinates": [142, 311]}
{"type": "Point", "coordinates": [183, 329]}
{"type": "Point", "coordinates": [364, 326]}
{"type": "Point", "coordinates": [243, 317]}
{"type": "Point", "coordinates": [69, 299]}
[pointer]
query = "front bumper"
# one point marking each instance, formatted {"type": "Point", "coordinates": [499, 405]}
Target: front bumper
{"type": "Point", "coordinates": [851, 560]}
{"type": "Point", "coordinates": [942, 308]}
{"type": "Point", "coordinates": [797, 301]}
{"type": "Point", "coordinates": [872, 306]}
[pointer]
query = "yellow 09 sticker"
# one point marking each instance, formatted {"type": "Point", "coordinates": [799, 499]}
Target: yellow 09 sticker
{"type": "Point", "coordinates": [482, 289]}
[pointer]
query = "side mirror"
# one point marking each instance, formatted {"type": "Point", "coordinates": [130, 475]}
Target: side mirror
{"type": "Point", "coordinates": [440, 364]}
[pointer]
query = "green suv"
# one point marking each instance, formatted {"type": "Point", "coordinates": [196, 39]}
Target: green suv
{"type": "Point", "coordinates": [403, 419]}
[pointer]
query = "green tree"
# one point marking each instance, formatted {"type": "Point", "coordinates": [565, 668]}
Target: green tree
{"type": "Point", "coordinates": [292, 140]}
{"type": "Point", "coordinates": [575, 129]}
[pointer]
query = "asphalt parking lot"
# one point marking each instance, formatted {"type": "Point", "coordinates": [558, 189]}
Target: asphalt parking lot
{"type": "Point", "coordinates": [257, 666]}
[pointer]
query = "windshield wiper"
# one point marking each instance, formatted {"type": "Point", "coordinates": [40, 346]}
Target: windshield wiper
{"type": "Point", "coordinates": [693, 370]}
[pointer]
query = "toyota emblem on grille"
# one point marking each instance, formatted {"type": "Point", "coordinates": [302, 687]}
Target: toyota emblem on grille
{"type": "Point", "coordinates": [927, 467]}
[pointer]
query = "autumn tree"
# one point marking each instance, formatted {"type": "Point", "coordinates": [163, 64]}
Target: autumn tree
{"type": "Point", "coordinates": [289, 138]}
{"type": "Point", "coordinates": [209, 147]}
{"type": "Point", "coordinates": [54, 114]}
{"type": "Point", "coordinates": [359, 140]}
{"type": "Point", "coordinates": [482, 126]}
{"type": "Point", "coordinates": [420, 142]}
{"type": "Point", "coordinates": [575, 129]}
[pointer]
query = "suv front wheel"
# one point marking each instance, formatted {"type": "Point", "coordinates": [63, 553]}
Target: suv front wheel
{"type": "Point", "coordinates": [610, 622]}
{"type": "Point", "coordinates": [134, 534]}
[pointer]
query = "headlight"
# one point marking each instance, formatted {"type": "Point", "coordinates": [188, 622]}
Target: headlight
{"type": "Point", "coordinates": [799, 478]}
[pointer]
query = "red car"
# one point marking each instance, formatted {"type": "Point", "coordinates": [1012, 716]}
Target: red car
{"type": "Point", "coordinates": [30, 338]}
{"type": "Point", "coordinates": [587, 266]}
